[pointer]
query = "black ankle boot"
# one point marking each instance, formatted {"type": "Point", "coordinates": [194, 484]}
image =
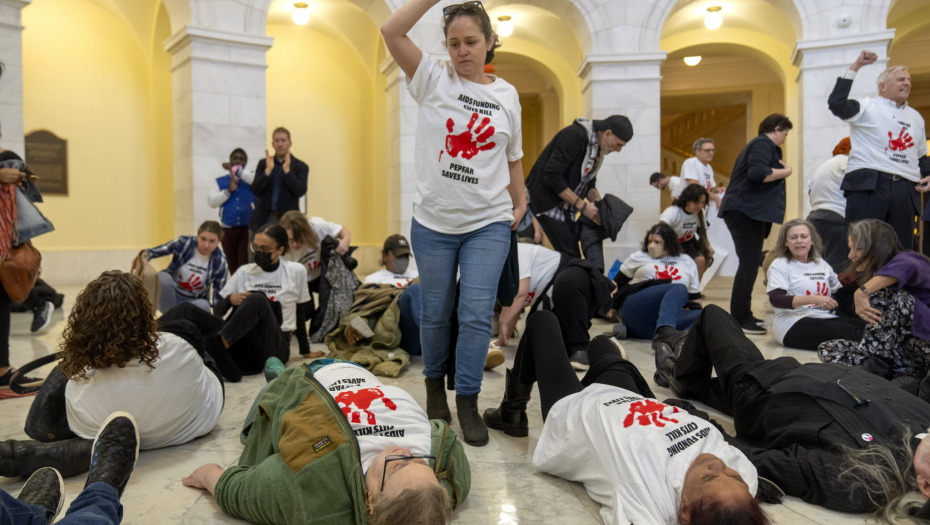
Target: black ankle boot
{"type": "Point", "coordinates": [21, 458]}
{"type": "Point", "coordinates": [474, 431]}
{"type": "Point", "coordinates": [437, 405]}
{"type": "Point", "coordinates": [511, 416]}
{"type": "Point", "coordinates": [666, 357]}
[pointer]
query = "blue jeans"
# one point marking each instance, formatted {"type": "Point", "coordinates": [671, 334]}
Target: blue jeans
{"type": "Point", "coordinates": [30, 223]}
{"type": "Point", "coordinates": [170, 297]}
{"type": "Point", "coordinates": [97, 504]}
{"type": "Point", "coordinates": [479, 257]}
{"type": "Point", "coordinates": [411, 304]}
{"type": "Point", "coordinates": [660, 305]}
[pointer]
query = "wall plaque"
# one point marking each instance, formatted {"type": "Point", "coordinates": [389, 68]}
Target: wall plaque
{"type": "Point", "coordinates": [47, 157]}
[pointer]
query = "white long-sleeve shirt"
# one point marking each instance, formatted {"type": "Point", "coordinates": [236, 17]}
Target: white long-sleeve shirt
{"type": "Point", "coordinates": [219, 196]}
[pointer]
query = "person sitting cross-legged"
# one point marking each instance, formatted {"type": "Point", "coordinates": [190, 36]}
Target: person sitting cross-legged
{"type": "Point", "coordinates": [327, 442]}
{"type": "Point", "coordinates": [645, 461]}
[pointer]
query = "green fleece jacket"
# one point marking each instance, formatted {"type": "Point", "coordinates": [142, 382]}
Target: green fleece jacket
{"type": "Point", "coordinates": [301, 462]}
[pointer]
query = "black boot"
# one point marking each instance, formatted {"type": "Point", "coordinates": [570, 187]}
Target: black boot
{"type": "Point", "coordinates": [22, 458]}
{"type": "Point", "coordinates": [511, 416]}
{"type": "Point", "coordinates": [437, 405]}
{"type": "Point", "coordinates": [666, 357]}
{"type": "Point", "coordinates": [474, 431]}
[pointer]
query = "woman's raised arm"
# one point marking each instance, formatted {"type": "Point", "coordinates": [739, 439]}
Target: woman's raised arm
{"type": "Point", "coordinates": [395, 29]}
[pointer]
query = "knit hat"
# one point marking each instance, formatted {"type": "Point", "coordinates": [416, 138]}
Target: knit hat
{"type": "Point", "coordinates": [619, 125]}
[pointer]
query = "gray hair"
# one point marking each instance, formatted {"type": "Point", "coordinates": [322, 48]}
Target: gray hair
{"type": "Point", "coordinates": [699, 143]}
{"type": "Point", "coordinates": [887, 477]}
{"type": "Point", "coordinates": [887, 74]}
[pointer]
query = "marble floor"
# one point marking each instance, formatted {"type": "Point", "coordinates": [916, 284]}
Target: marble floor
{"type": "Point", "coordinates": [506, 488]}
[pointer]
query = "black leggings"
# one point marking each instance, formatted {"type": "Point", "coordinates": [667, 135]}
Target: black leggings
{"type": "Point", "coordinates": [809, 332]}
{"type": "Point", "coordinates": [748, 238]}
{"type": "Point", "coordinates": [574, 305]}
{"type": "Point", "coordinates": [305, 314]}
{"type": "Point", "coordinates": [542, 358]}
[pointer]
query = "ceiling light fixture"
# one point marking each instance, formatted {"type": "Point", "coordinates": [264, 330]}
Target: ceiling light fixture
{"type": "Point", "coordinates": [713, 19]}
{"type": "Point", "coordinates": [692, 61]}
{"type": "Point", "coordinates": [301, 13]}
{"type": "Point", "coordinates": [505, 27]}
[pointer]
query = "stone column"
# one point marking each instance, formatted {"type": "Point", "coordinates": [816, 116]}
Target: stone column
{"type": "Point", "coordinates": [819, 64]}
{"type": "Point", "coordinates": [628, 85]}
{"type": "Point", "coordinates": [219, 104]}
{"type": "Point", "coordinates": [11, 84]}
{"type": "Point", "coordinates": [401, 143]}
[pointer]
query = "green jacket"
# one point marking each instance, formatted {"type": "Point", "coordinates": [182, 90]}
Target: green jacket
{"type": "Point", "coordinates": [301, 460]}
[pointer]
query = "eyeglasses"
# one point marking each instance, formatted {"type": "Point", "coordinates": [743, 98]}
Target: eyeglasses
{"type": "Point", "coordinates": [468, 7]}
{"type": "Point", "coordinates": [263, 249]}
{"type": "Point", "coordinates": [430, 460]}
{"type": "Point", "coordinates": [708, 150]}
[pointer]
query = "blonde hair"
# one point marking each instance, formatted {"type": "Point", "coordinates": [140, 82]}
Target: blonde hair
{"type": "Point", "coordinates": [780, 250]}
{"type": "Point", "coordinates": [300, 228]}
{"type": "Point", "coordinates": [885, 75]}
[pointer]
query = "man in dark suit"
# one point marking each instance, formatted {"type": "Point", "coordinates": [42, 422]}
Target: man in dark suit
{"type": "Point", "coordinates": [801, 425]}
{"type": "Point", "coordinates": [280, 182]}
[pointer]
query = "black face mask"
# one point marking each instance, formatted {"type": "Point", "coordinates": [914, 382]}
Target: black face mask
{"type": "Point", "coordinates": [263, 260]}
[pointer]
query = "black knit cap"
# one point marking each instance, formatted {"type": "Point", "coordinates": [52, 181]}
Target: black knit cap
{"type": "Point", "coordinates": [619, 125]}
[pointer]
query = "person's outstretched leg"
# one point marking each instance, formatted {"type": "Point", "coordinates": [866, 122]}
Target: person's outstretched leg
{"type": "Point", "coordinates": [574, 304]}
{"type": "Point", "coordinates": [640, 311]}
{"type": "Point", "coordinates": [748, 239]}
{"type": "Point", "coordinates": [38, 503]}
{"type": "Point", "coordinates": [410, 304]}
{"type": "Point", "coordinates": [169, 295]}
{"type": "Point", "coordinates": [252, 334]}
{"type": "Point", "coordinates": [97, 504]}
{"type": "Point", "coordinates": [608, 367]}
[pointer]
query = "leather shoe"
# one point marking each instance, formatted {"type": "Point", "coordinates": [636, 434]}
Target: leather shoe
{"type": "Point", "coordinates": [511, 415]}
{"type": "Point", "coordinates": [22, 458]}
{"type": "Point", "coordinates": [116, 449]}
{"type": "Point", "coordinates": [46, 489]}
{"type": "Point", "coordinates": [666, 357]}
{"type": "Point", "coordinates": [437, 405]}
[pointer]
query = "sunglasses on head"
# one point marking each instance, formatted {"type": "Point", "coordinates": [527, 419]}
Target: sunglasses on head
{"type": "Point", "coordinates": [468, 7]}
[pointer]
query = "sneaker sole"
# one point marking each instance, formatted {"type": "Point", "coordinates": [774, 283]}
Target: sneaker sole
{"type": "Point", "coordinates": [754, 332]}
{"type": "Point", "coordinates": [580, 366]}
{"type": "Point", "coordinates": [61, 492]}
{"type": "Point", "coordinates": [619, 347]}
{"type": "Point", "coordinates": [49, 308]}
{"type": "Point", "coordinates": [113, 416]}
{"type": "Point", "coordinates": [495, 359]}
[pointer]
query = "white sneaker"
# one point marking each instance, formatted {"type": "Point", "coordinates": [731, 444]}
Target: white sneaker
{"type": "Point", "coordinates": [495, 357]}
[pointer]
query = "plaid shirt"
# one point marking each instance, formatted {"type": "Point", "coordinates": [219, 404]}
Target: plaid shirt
{"type": "Point", "coordinates": [182, 250]}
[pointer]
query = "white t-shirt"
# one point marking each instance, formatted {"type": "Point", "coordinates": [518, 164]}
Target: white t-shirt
{"type": "Point", "coordinates": [694, 169]}
{"type": "Point", "coordinates": [467, 133]}
{"type": "Point", "coordinates": [381, 416]}
{"type": "Point", "coordinates": [192, 276]}
{"type": "Point", "coordinates": [675, 186]}
{"type": "Point", "coordinates": [309, 256]}
{"type": "Point", "coordinates": [886, 138]}
{"type": "Point", "coordinates": [630, 452]}
{"type": "Point", "coordinates": [796, 278]}
{"type": "Point", "coordinates": [685, 224]}
{"type": "Point", "coordinates": [539, 264]}
{"type": "Point", "coordinates": [681, 270]}
{"type": "Point", "coordinates": [177, 401]}
{"type": "Point", "coordinates": [286, 285]}
{"type": "Point", "coordinates": [824, 186]}
{"type": "Point", "coordinates": [384, 276]}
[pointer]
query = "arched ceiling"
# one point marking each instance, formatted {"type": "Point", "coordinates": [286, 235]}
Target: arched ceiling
{"type": "Point", "coordinates": [747, 15]}
{"type": "Point", "coordinates": [139, 15]}
{"type": "Point", "coordinates": [909, 18]}
{"type": "Point", "coordinates": [540, 27]}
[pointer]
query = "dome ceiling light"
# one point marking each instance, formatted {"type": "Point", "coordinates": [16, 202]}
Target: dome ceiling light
{"type": "Point", "coordinates": [713, 19]}
{"type": "Point", "coordinates": [301, 13]}
{"type": "Point", "coordinates": [692, 61]}
{"type": "Point", "coordinates": [505, 27]}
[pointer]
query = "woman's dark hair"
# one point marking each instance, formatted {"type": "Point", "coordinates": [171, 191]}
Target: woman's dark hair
{"type": "Point", "coordinates": [667, 234]}
{"type": "Point", "coordinates": [878, 244]}
{"type": "Point", "coordinates": [277, 233]}
{"type": "Point", "coordinates": [773, 122]}
{"type": "Point", "coordinates": [212, 227]}
{"type": "Point", "coordinates": [655, 177]}
{"type": "Point", "coordinates": [111, 324]}
{"type": "Point", "coordinates": [692, 193]}
{"type": "Point", "coordinates": [715, 512]}
{"type": "Point", "coordinates": [482, 20]}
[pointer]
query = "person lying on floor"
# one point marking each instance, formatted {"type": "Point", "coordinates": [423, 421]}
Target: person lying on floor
{"type": "Point", "coordinates": [832, 435]}
{"type": "Point", "coordinates": [328, 442]}
{"type": "Point", "coordinates": [646, 462]}
{"type": "Point", "coordinates": [116, 358]}
{"type": "Point", "coordinates": [578, 290]}
{"type": "Point", "coordinates": [658, 288]}
{"type": "Point", "coordinates": [264, 296]}
{"type": "Point", "coordinates": [800, 287]}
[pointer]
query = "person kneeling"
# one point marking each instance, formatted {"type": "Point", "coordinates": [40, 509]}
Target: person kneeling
{"type": "Point", "coordinates": [328, 439]}
{"type": "Point", "coordinates": [646, 462]}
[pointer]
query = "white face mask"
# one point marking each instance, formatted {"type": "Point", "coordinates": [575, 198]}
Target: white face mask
{"type": "Point", "coordinates": [400, 265]}
{"type": "Point", "coordinates": [656, 250]}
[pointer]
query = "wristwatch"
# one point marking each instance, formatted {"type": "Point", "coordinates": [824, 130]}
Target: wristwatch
{"type": "Point", "coordinates": [862, 287]}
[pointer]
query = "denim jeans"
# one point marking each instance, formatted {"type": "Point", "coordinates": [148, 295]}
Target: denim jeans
{"type": "Point", "coordinates": [479, 257]}
{"type": "Point", "coordinates": [30, 223]}
{"type": "Point", "coordinates": [170, 297]}
{"type": "Point", "coordinates": [410, 303]}
{"type": "Point", "coordinates": [655, 306]}
{"type": "Point", "coordinates": [97, 504]}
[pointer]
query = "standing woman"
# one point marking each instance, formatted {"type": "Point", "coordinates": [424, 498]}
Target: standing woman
{"type": "Point", "coordinates": [470, 194]}
{"type": "Point", "coordinates": [754, 200]}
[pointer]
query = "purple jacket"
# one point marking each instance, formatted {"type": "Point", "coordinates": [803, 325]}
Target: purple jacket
{"type": "Point", "coordinates": [912, 271]}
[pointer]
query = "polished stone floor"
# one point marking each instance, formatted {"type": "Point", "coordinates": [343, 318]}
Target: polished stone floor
{"type": "Point", "coordinates": [506, 488]}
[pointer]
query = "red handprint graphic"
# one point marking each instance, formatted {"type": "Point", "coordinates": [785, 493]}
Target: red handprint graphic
{"type": "Point", "coordinates": [192, 284]}
{"type": "Point", "coordinates": [362, 399]}
{"type": "Point", "coordinates": [903, 142]}
{"type": "Point", "coordinates": [822, 289]}
{"type": "Point", "coordinates": [650, 413]}
{"type": "Point", "coordinates": [667, 273]}
{"type": "Point", "coordinates": [686, 237]}
{"type": "Point", "coordinates": [463, 143]}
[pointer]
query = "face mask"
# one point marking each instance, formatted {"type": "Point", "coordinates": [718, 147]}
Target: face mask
{"type": "Point", "coordinates": [400, 265]}
{"type": "Point", "coordinates": [263, 260]}
{"type": "Point", "coordinates": [656, 250]}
